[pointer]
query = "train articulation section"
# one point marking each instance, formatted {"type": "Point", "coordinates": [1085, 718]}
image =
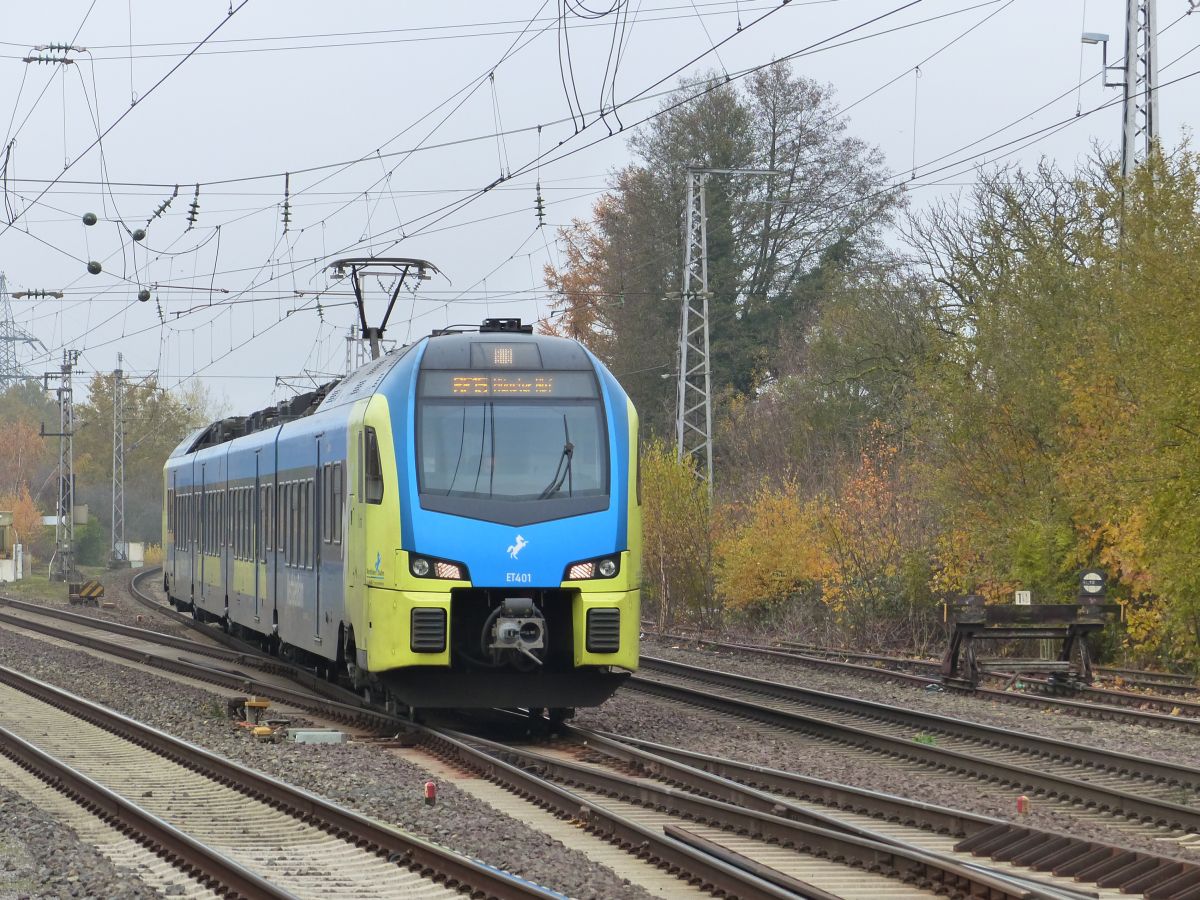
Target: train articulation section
{"type": "Point", "coordinates": [455, 524]}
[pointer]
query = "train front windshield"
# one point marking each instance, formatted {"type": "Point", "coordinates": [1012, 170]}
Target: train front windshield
{"type": "Point", "coordinates": [513, 438]}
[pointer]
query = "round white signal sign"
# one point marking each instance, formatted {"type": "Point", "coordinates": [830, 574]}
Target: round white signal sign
{"type": "Point", "coordinates": [1092, 583]}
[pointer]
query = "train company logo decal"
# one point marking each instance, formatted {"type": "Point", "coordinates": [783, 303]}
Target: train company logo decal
{"type": "Point", "coordinates": [517, 546]}
{"type": "Point", "coordinates": [377, 572]}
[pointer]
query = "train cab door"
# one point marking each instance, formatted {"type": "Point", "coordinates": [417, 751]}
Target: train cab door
{"type": "Point", "coordinates": [203, 534]}
{"type": "Point", "coordinates": [176, 529]}
{"type": "Point", "coordinates": [256, 539]}
{"type": "Point", "coordinates": [315, 534]}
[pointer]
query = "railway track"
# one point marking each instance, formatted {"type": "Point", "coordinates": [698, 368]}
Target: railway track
{"type": "Point", "coordinates": [238, 831]}
{"type": "Point", "coordinates": [1131, 793]}
{"type": "Point", "coordinates": [761, 857]}
{"type": "Point", "coordinates": [1166, 681]}
{"type": "Point", "coordinates": [695, 865]}
{"type": "Point", "coordinates": [1094, 703]}
{"type": "Point", "coordinates": [786, 842]}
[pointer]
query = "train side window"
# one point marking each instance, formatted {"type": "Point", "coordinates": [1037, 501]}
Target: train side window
{"type": "Point", "coordinates": [280, 505]}
{"type": "Point", "coordinates": [286, 522]}
{"type": "Point", "coordinates": [259, 496]}
{"type": "Point", "coordinates": [294, 523]}
{"type": "Point", "coordinates": [326, 485]}
{"type": "Point", "coordinates": [310, 520]}
{"type": "Point", "coordinates": [305, 522]}
{"type": "Point", "coordinates": [373, 492]}
{"type": "Point", "coordinates": [338, 494]}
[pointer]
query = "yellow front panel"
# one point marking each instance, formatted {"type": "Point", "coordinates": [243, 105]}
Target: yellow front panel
{"type": "Point", "coordinates": [629, 603]}
{"type": "Point", "coordinates": [389, 615]}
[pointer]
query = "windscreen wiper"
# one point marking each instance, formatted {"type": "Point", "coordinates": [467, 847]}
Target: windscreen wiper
{"type": "Point", "coordinates": [562, 473]}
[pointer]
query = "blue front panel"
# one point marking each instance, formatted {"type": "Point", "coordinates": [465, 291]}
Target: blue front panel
{"type": "Point", "coordinates": [505, 555]}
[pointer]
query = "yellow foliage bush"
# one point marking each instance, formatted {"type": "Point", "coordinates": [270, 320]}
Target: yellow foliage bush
{"type": "Point", "coordinates": [769, 547]}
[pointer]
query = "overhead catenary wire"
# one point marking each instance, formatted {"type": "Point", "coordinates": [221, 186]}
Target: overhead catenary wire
{"type": "Point", "coordinates": [931, 173]}
{"type": "Point", "coordinates": [232, 11]}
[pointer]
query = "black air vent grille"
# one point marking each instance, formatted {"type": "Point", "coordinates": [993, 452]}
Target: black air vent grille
{"type": "Point", "coordinates": [603, 630]}
{"type": "Point", "coordinates": [428, 630]}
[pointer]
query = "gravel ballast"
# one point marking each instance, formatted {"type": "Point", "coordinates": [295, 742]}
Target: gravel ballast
{"type": "Point", "coordinates": [42, 858]}
{"type": "Point", "coordinates": [1167, 744]}
{"type": "Point", "coordinates": [378, 784]}
{"type": "Point", "coordinates": [355, 775]}
{"type": "Point", "coordinates": [650, 718]}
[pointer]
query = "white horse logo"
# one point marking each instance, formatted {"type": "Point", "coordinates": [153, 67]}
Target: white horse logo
{"type": "Point", "coordinates": [517, 546]}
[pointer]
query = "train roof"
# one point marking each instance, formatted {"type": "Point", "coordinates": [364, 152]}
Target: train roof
{"type": "Point", "coordinates": [497, 343]}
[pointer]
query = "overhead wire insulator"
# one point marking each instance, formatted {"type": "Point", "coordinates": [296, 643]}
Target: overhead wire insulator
{"type": "Point", "coordinates": [287, 202]}
{"type": "Point", "coordinates": [162, 207]}
{"type": "Point", "coordinates": [194, 209]}
{"type": "Point", "coordinates": [539, 206]}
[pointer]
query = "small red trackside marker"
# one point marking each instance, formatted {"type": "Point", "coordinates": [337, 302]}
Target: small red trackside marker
{"type": "Point", "coordinates": [430, 793]}
{"type": "Point", "coordinates": [1022, 805]}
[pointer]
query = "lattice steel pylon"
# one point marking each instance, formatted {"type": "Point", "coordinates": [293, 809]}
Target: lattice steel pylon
{"type": "Point", "coordinates": [118, 556]}
{"type": "Point", "coordinates": [693, 410]}
{"type": "Point", "coordinates": [693, 401]}
{"type": "Point", "coordinates": [10, 336]}
{"type": "Point", "coordinates": [1139, 128]}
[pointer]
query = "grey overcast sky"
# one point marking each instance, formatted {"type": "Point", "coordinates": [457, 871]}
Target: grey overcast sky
{"type": "Point", "coordinates": [337, 94]}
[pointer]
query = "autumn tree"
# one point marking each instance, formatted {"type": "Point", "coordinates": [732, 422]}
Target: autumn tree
{"type": "Point", "coordinates": [155, 422]}
{"type": "Point", "coordinates": [766, 235]}
{"type": "Point", "coordinates": [1008, 269]}
{"type": "Point", "coordinates": [578, 287]}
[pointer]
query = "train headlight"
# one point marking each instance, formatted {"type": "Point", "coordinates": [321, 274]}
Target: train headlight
{"type": "Point", "coordinates": [585, 570]}
{"type": "Point", "coordinates": [430, 567]}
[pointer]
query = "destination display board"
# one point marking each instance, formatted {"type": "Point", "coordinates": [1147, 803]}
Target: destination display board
{"type": "Point", "coordinates": [561, 385]}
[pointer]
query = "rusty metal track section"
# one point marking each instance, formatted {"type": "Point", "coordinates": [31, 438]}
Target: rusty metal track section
{"type": "Point", "coordinates": [211, 868]}
{"type": "Point", "coordinates": [540, 774]}
{"type": "Point", "coordinates": [405, 850]}
{"type": "Point", "coordinates": [1132, 805]}
{"type": "Point", "coordinates": [1130, 871]}
{"type": "Point", "coordinates": [1103, 703]}
{"type": "Point", "coordinates": [694, 866]}
{"type": "Point", "coordinates": [723, 803]}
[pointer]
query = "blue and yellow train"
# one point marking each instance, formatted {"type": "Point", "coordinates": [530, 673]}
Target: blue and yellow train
{"type": "Point", "coordinates": [455, 524]}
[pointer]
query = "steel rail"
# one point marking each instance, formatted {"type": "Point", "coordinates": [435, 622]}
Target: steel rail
{"type": "Point", "coordinates": [727, 804]}
{"type": "Point", "coordinates": [208, 866]}
{"type": "Point", "coordinates": [1144, 675]}
{"type": "Point", "coordinates": [987, 735]}
{"type": "Point", "coordinates": [346, 713]}
{"type": "Point", "coordinates": [1131, 805]}
{"type": "Point", "coordinates": [1113, 866]}
{"type": "Point", "coordinates": [660, 849]}
{"type": "Point", "coordinates": [1001, 837]}
{"type": "Point", "coordinates": [712, 874]}
{"type": "Point", "coordinates": [405, 850]}
{"type": "Point", "coordinates": [1107, 704]}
